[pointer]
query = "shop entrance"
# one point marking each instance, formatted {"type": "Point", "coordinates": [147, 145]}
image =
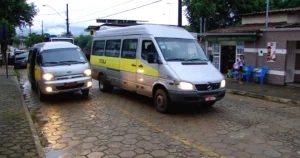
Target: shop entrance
{"type": "Point", "coordinates": [227, 57]}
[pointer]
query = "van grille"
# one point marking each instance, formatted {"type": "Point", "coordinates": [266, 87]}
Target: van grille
{"type": "Point", "coordinates": [68, 77]}
{"type": "Point", "coordinates": [70, 87]}
{"type": "Point", "coordinates": [205, 87]}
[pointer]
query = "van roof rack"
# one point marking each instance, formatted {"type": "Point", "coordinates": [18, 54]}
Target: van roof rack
{"type": "Point", "coordinates": [113, 23]}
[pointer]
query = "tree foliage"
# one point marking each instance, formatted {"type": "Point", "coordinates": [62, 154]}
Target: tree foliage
{"type": "Point", "coordinates": [32, 39]}
{"type": "Point", "coordinates": [15, 13]}
{"type": "Point", "coordinates": [83, 41]}
{"type": "Point", "coordinates": [224, 13]}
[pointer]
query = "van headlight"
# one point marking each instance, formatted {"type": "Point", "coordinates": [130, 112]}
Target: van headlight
{"type": "Point", "coordinates": [87, 72]}
{"type": "Point", "coordinates": [185, 86]}
{"type": "Point", "coordinates": [223, 84]}
{"type": "Point", "coordinates": [48, 76]}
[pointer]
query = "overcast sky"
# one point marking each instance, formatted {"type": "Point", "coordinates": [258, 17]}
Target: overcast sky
{"type": "Point", "coordinates": [162, 12]}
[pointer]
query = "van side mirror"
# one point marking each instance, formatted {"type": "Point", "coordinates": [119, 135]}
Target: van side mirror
{"type": "Point", "coordinates": [150, 58]}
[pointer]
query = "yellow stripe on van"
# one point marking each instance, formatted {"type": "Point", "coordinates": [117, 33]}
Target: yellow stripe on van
{"type": "Point", "coordinates": [37, 73]}
{"type": "Point", "coordinates": [146, 69]}
{"type": "Point", "coordinates": [126, 65]}
{"type": "Point", "coordinates": [108, 62]}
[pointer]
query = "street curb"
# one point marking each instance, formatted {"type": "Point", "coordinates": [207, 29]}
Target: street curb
{"type": "Point", "coordinates": [33, 130]}
{"type": "Point", "coordinates": [264, 97]}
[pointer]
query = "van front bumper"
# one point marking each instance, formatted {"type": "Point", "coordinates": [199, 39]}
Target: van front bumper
{"type": "Point", "coordinates": [58, 86]}
{"type": "Point", "coordinates": [195, 97]}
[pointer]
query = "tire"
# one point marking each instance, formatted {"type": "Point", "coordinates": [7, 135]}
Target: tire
{"type": "Point", "coordinates": [33, 87]}
{"type": "Point", "coordinates": [85, 93]}
{"type": "Point", "coordinates": [162, 101]}
{"type": "Point", "coordinates": [104, 86]}
{"type": "Point", "coordinates": [41, 95]}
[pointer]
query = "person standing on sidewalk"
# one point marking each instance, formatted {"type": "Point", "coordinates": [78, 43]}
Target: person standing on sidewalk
{"type": "Point", "coordinates": [241, 62]}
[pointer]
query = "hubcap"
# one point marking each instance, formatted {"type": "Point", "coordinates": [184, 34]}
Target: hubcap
{"type": "Point", "coordinates": [101, 85]}
{"type": "Point", "coordinates": [160, 101]}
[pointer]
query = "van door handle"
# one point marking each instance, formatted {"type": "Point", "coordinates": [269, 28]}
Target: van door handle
{"type": "Point", "coordinates": [133, 65]}
{"type": "Point", "coordinates": [141, 65]}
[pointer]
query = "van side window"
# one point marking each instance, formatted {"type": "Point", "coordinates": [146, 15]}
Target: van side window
{"type": "Point", "coordinates": [112, 48]}
{"type": "Point", "coordinates": [129, 48]}
{"type": "Point", "coordinates": [98, 48]}
{"type": "Point", "coordinates": [148, 47]}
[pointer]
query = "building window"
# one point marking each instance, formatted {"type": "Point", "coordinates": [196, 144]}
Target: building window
{"type": "Point", "coordinates": [129, 48]}
{"type": "Point", "coordinates": [98, 48]}
{"type": "Point", "coordinates": [112, 48]}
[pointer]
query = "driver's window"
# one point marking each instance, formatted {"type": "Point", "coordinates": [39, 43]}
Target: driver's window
{"type": "Point", "coordinates": [148, 47]}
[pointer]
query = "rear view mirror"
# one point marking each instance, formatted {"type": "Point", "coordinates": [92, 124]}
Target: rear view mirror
{"type": "Point", "coordinates": [150, 57]}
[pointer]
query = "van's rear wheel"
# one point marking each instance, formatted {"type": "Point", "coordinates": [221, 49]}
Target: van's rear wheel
{"type": "Point", "coordinates": [41, 95]}
{"type": "Point", "coordinates": [104, 86]}
{"type": "Point", "coordinates": [162, 101]}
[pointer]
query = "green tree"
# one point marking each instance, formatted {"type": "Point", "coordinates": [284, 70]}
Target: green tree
{"type": "Point", "coordinates": [83, 41]}
{"type": "Point", "coordinates": [32, 39]}
{"type": "Point", "coordinates": [15, 13]}
{"type": "Point", "coordinates": [225, 13]}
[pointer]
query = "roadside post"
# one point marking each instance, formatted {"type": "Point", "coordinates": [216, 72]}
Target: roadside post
{"type": "Point", "coordinates": [4, 33]}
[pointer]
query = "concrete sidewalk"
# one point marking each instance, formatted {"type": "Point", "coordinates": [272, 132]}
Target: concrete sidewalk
{"type": "Point", "coordinates": [18, 137]}
{"type": "Point", "coordinates": [282, 94]}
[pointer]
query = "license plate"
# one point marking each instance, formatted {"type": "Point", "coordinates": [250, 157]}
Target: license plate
{"type": "Point", "coordinates": [210, 98]}
{"type": "Point", "coordinates": [70, 84]}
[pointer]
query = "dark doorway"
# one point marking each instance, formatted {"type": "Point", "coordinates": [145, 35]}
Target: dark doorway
{"type": "Point", "coordinates": [227, 58]}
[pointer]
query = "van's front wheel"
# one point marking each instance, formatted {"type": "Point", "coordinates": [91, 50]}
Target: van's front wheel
{"type": "Point", "coordinates": [104, 86]}
{"type": "Point", "coordinates": [85, 93]}
{"type": "Point", "coordinates": [162, 101]}
{"type": "Point", "coordinates": [41, 95]}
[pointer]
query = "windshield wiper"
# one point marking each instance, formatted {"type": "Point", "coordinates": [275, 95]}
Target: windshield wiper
{"type": "Point", "coordinates": [55, 63]}
{"type": "Point", "coordinates": [73, 61]}
{"type": "Point", "coordinates": [176, 59]}
{"type": "Point", "coordinates": [195, 59]}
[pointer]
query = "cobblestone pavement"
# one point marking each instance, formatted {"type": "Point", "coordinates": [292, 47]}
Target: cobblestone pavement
{"type": "Point", "coordinates": [15, 135]}
{"type": "Point", "coordinates": [123, 124]}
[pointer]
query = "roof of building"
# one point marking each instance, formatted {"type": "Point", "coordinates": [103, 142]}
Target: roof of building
{"type": "Point", "coordinates": [251, 28]}
{"type": "Point", "coordinates": [274, 11]}
{"type": "Point", "coordinates": [147, 29]}
{"type": "Point", "coordinates": [54, 45]}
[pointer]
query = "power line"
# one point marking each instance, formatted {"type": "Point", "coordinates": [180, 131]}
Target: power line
{"type": "Point", "coordinates": [104, 9]}
{"type": "Point", "coordinates": [61, 12]}
{"type": "Point", "coordinates": [119, 12]}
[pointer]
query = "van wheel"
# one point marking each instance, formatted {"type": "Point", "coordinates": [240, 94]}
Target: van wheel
{"type": "Point", "coordinates": [162, 101]}
{"type": "Point", "coordinates": [41, 95]}
{"type": "Point", "coordinates": [104, 86]}
{"type": "Point", "coordinates": [85, 93]}
{"type": "Point", "coordinates": [33, 87]}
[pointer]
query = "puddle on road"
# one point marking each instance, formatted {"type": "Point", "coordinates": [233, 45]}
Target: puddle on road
{"type": "Point", "coordinates": [52, 153]}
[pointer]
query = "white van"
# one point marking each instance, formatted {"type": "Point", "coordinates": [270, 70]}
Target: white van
{"type": "Point", "coordinates": [58, 67]}
{"type": "Point", "coordinates": [162, 62]}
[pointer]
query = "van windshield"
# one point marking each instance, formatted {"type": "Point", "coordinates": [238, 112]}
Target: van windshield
{"type": "Point", "coordinates": [63, 56]}
{"type": "Point", "coordinates": [175, 49]}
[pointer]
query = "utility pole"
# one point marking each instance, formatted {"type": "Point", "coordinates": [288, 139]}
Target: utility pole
{"type": "Point", "coordinates": [42, 27]}
{"type": "Point", "coordinates": [67, 20]}
{"type": "Point", "coordinates": [267, 13]}
{"type": "Point", "coordinates": [179, 13]}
